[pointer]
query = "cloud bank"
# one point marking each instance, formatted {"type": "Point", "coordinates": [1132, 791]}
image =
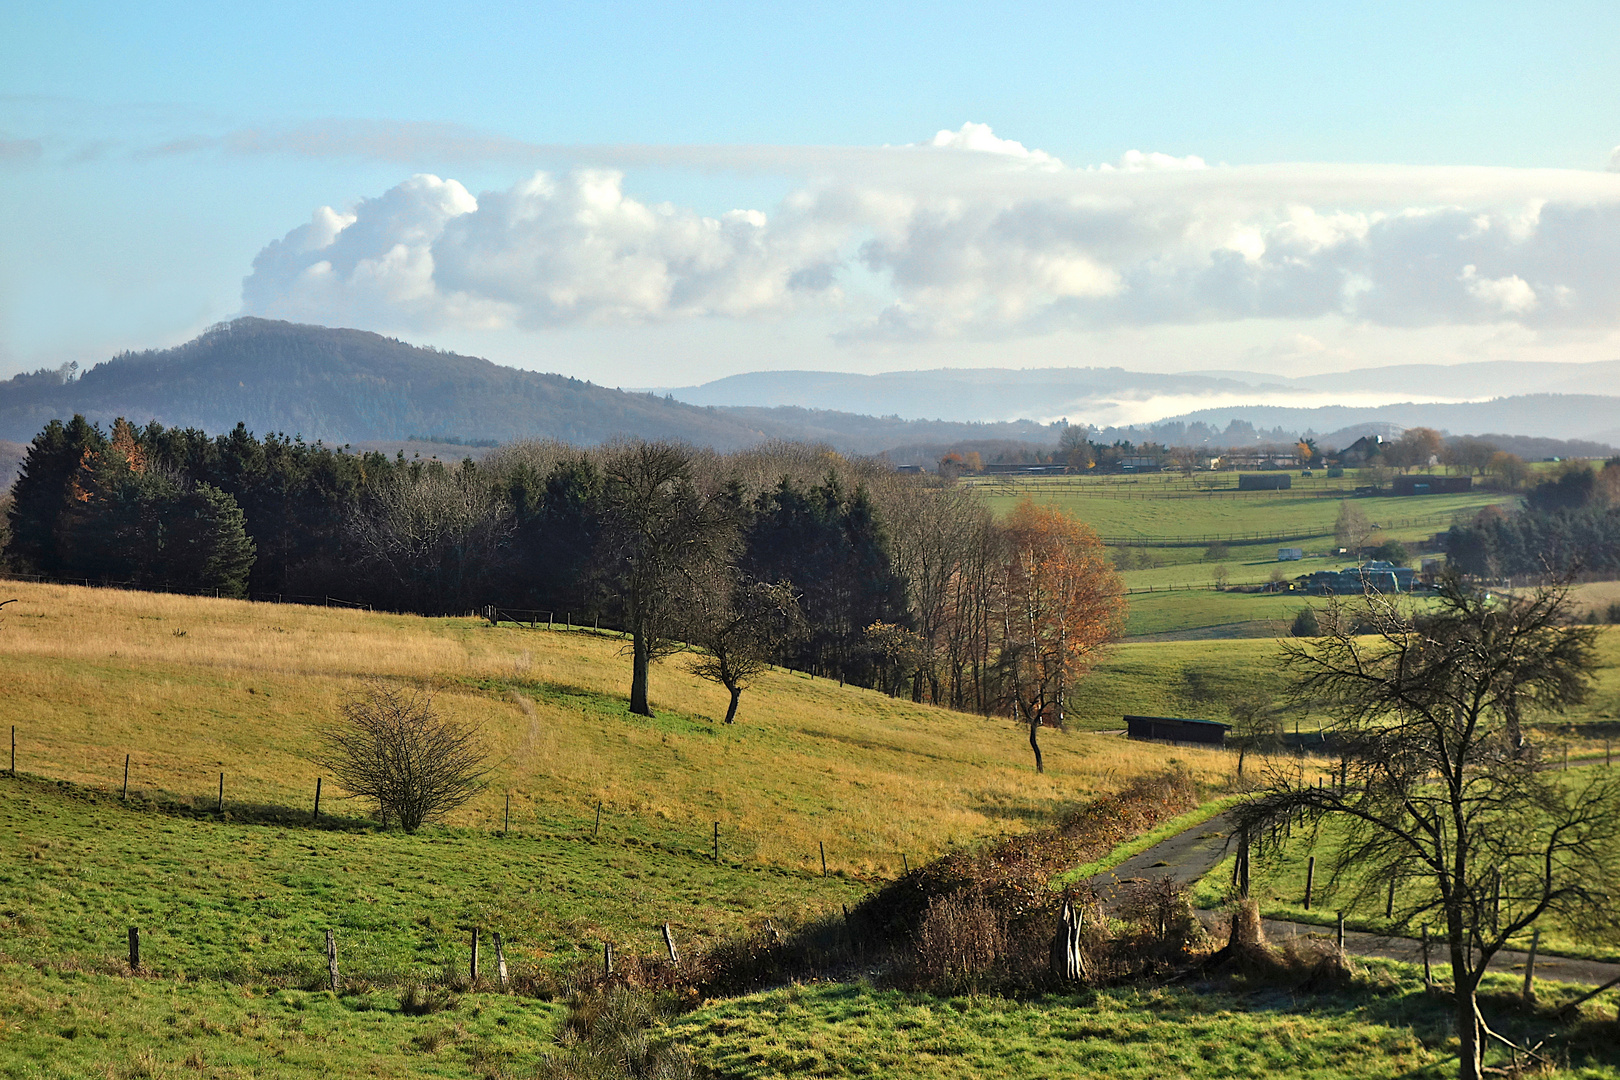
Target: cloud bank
{"type": "Point", "coordinates": [970, 234]}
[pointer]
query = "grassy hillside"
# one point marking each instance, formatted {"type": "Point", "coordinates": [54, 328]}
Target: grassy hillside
{"type": "Point", "coordinates": [233, 907]}
{"type": "Point", "coordinates": [192, 687]}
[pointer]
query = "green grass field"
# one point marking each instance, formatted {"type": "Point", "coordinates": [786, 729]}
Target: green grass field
{"type": "Point", "coordinates": [1165, 507]}
{"type": "Point", "coordinates": [844, 1030]}
{"type": "Point", "coordinates": [1168, 506]}
{"type": "Point", "coordinates": [1386, 1026]}
{"type": "Point", "coordinates": [233, 906]}
{"type": "Point", "coordinates": [1182, 678]}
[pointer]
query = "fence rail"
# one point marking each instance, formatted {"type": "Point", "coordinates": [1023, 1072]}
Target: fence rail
{"type": "Point", "coordinates": [1206, 539]}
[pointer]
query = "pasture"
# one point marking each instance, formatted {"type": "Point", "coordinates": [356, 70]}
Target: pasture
{"type": "Point", "coordinates": [191, 687]}
{"type": "Point", "coordinates": [1159, 527]}
{"type": "Point", "coordinates": [233, 905]}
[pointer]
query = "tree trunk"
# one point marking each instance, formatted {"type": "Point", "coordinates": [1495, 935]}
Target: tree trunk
{"type": "Point", "coordinates": [638, 675]}
{"type": "Point", "coordinates": [1470, 1048]}
{"type": "Point", "coordinates": [1035, 738]}
{"type": "Point", "coordinates": [731, 710]}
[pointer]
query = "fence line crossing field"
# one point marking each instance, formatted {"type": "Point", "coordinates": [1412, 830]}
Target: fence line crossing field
{"type": "Point", "coordinates": [233, 905]}
{"type": "Point", "coordinates": [192, 687]}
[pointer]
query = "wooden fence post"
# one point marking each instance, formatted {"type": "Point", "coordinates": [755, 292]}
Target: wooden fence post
{"type": "Point", "coordinates": [822, 845]}
{"type": "Point", "coordinates": [905, 867]}
{"type": "Point", "coordinates": [125, 793]}
{"type": "Point", "coordinates": [1341, 932]}
{"type": "Point", "coordinates": [331, 962]}
{"type": "Point", "coordinates": [669, 943]}
{"type": "Point", "coordinates": [13, 750]}
{"type": "Point", "coordinates": [472, 966]}
{"type": "Point", "coordinates": [1428, 976]}
{"type": "Point", "coordinates": [607, 958]}
{"type": "Point", "coordinates": [598, 826]}
{"type": "Point", "coordinates": [219, 807]}
{"type": "Point", "coordinates": [1310, 881]}
{"type": "Point", "coordinates": [317, 815]}
{"type": "Point", "coordinates": [717, 841]}
{"type": "Point", "coordinates": [506, 826]}
{"type": "Point", "coordinates": [500, 962]}
{"type": "Point", "coordinates": [134, 949]}
{"type": "Point", "coordinates": [1530, 966]}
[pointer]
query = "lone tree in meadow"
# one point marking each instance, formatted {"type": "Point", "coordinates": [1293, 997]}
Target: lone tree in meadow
{"type": "Point", "coordinates": [1445, 787]}
{"type": "Point", "coordinates": [1058, 601]}
{"type": "Point", "coordinates": [742, 625]}
{"type": "Point", "coordinates": [660, 538]}
{"type": "Point", "coordinates": [392, 748]}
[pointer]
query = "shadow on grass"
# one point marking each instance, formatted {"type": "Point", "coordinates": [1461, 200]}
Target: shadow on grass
{"type": "Point", "coordinates": [200, 808]}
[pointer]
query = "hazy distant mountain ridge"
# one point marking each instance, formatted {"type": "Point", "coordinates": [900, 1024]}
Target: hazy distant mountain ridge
{"type": "Point", "coordinates": [343, 385]}
{"type": "Point", "coordinates": [959, 394]}
{"type": "Point", "coordinates": [1548, 400]}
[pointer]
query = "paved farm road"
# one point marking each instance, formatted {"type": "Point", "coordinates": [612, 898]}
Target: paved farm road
{"type": "Point", "coordinates": [1190, 855]}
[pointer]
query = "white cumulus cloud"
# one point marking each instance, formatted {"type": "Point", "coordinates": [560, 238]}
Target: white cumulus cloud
{"type": "Point", "coordinates": [941, 240]}
{"type": "Point", "coordinates": [979, 138]}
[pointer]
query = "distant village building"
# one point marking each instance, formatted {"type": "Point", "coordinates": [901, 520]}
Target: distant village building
{"type": "Point", "coordinates": [1376, 575]}
{"type": "Point", "coordinates": [1432, 485]}
{"type": "Point", "coordinates": [1175, 730]}
{"type": "Point", "coordinates": [1362, 450]}
{"type": "Point", "coordinates": [1260, 459]}
{"type": "Point", "coordinates": [1265, 482]}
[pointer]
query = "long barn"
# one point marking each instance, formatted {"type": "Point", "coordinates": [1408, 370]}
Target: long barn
{"type": "Point", "coordinates": [1176, 730]}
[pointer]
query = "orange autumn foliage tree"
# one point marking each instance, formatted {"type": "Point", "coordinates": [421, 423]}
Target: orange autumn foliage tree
{"type": "Point", "coordinates": [1060, 601]}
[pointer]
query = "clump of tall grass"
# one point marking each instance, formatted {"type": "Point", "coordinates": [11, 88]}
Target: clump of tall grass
{"type": "Point", "coordinates": [608, 1034]}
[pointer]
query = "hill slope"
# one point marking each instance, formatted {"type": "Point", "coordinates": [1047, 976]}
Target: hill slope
{"type": "Point", "coordinates": [351, 386]}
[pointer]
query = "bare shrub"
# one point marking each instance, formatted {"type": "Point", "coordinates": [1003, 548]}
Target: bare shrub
{"type": "Point", "coordinates": [1166, 925]}
{"type": "Point", "coordinates": [962, 944]}
{"type": "Point", "coordinates": [394, 750]}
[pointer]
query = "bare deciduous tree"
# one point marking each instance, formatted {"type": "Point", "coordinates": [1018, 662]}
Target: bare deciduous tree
{"type": "Point", "coordinates": [394, 750]}
{"type": "Point", "coordinates": [1443, 785]}
{"type": "Point", "coordinates": [742, 625]}
{"type": "Point", "coordinates": [661, 535]}
{"type": "Point", "coordinates": [1351, 529]}
{"type": "Point", "coordinates": [433, 532]}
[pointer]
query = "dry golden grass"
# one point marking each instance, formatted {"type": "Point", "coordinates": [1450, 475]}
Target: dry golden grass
{"type": "Point", "coordinates": [193, 687]}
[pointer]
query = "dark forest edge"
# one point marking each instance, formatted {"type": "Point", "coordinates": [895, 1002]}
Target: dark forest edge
{"type": "Point", "coordinates": [786, 553]}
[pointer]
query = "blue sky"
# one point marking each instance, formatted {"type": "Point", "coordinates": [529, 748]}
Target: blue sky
{"type": "Point", "coordinates": [1459, 201]}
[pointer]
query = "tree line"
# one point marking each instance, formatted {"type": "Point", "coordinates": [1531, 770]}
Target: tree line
{"type": "Point", "coordinates": [1570, 525]}
{"type": "Point", "coordinates": [787, 553]}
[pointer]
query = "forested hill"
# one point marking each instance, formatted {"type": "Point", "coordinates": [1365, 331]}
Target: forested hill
{"type": "Point", "coordinates": [350, 385]}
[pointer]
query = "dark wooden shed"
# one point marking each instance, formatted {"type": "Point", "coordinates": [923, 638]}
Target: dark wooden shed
{"type": "Point", "coordinates": [1176, 730]}
{"type": "Point", "coordinates": [1432, 485]}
